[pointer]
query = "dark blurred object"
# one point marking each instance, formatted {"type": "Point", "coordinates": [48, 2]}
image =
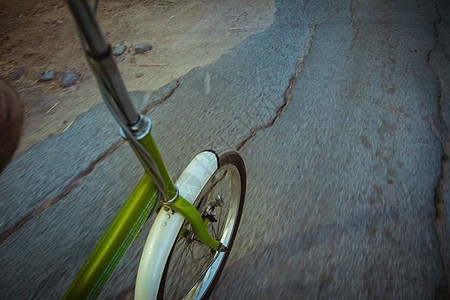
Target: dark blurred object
{"type": "Point", "coordinates": [11, 120]}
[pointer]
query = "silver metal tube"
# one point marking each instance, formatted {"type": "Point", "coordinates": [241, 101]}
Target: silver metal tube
{"type": "Point", "coordinates": [88, 26]}
{"type": "Point", "coordinates": [99, 56]}
{"type": "Point", "coordinates": [114, 91]}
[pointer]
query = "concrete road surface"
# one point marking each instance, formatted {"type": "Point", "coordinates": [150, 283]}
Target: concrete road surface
{"type": "Point", "coordinates": [340, 110]}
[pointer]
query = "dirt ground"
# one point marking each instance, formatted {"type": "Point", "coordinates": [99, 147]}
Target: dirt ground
{"type": "Point", "coordinates": [38, 36]}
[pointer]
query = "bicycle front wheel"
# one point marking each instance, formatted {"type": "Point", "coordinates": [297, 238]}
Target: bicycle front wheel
{"type": "Point", "coordinates": [192, 268]}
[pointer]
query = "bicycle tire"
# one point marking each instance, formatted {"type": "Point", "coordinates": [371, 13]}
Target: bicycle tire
{"type": "Point", "coordinates": [224, 215]}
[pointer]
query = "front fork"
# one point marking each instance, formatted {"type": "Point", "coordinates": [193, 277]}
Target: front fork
{"type": "Point", "coordinates": [192, 215]}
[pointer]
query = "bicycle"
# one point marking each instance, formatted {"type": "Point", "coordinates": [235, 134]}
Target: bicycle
{"type": "Point", "coordinates": [197, 217]}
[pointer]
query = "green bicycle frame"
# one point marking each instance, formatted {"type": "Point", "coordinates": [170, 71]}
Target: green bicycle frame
{"type": "Point", "coordinates": [125, 227]}
{"type": "Point", "coordinates": [143, 200]}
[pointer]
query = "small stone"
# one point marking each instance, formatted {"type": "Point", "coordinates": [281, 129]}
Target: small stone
{"type": "Point", "coordinates": [127, 44]}
{"type": "Point", "coordinates": [141, 48]}
{"type": "Point", "coordinates": [47, 76]}
{"type": "Point", "coordinates": [118, 59]}
{"type": "Point", "coordinates": [73, 88]}
{"type": "Point", "coordinates": [69, 79]}
{"type": "Point", "coordinates": [17, 73]}
{"type": "Point", "coordinates": [60, 21]}
{"type": "Point", "coordinates": [118, 50]}
{"type": "Point", "coordinates": [139, 74]}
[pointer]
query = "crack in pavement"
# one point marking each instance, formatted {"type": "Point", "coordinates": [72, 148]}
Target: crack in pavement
{"type": "Point", "coordinates": [151, 106]}
{"type": "Point", "coordinates": [67, 189]}
{"type": "Point", "coordinates": [78, 178]}
{"type": "Point", "coordinates": [440, 221]}
{"type": "Point", "coordinates": [444, 180]}
{"type": "Point", "coordinates": [355, 22]}
{"type": "Point", "coordinates": [287, 97]}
